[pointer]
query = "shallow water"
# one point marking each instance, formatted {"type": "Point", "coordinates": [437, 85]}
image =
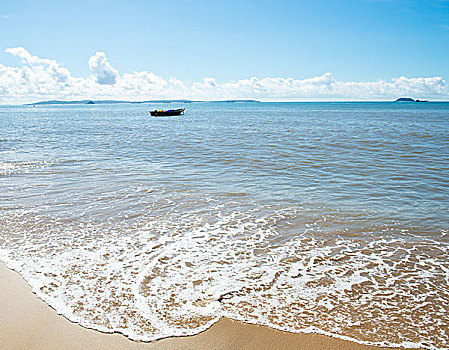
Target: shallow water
{"type": "Point", "coordinates": [323, 217]}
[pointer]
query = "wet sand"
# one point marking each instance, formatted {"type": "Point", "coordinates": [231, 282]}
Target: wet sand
{"type": "Point", "coordinates": [26, 322]}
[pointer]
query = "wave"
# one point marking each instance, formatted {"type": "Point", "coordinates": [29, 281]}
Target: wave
{"type": "Point", "coordinates": [178, 272]}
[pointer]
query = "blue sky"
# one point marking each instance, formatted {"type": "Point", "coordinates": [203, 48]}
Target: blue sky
{"type": "Point", "coordinates": [355, 40]}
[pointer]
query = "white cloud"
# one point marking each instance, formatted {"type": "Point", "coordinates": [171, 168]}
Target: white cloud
{"type": "Point", "coordinates": [210, 82]}
{"type": "Point", "coordinates": [51, 67]}
{"type": "Point", "coordinates": [41, 79]}
{"type": "Point", "coordinates": [102, 70]}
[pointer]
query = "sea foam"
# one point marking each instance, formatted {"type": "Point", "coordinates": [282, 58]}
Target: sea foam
{"type": "Point", "coordinates": [177, 273]}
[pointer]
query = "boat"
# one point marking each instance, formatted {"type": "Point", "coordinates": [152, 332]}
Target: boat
{"type": "Point", "coordinates": [420, 100]}
{"type": "Point", "coordinates": [168, 113]}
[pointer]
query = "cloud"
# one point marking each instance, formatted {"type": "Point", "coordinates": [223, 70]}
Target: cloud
{"type": "Point", "coordinates": [102, 70]}
{"type": "Point", "coordinates": [52, 69]}
{"type": "Point", "coordinates": [210, 82]}
{"type": "Point", "coordinates": [42, 78]}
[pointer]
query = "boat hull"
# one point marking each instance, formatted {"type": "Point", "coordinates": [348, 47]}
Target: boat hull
{"type": "Point", "coordinates": [168, 113]}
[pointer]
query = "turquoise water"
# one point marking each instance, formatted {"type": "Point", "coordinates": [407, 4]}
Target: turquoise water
{"type": "Point", "coordinates": [324, 217]}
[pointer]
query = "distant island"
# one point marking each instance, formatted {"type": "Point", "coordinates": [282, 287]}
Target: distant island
{"type": "Point", "coordinates": [54, 102]}
{"type": "Point", "coordinates": [91, 102]}
{"type": "Point", "coordinates": [408, 99]}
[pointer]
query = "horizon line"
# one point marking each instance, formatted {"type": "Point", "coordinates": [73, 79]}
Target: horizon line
{"type": "Point", "coordinates": [166, 101]}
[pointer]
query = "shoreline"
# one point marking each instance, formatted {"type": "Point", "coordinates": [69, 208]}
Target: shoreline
{"type": "Point", "coordinates": [27, 322]}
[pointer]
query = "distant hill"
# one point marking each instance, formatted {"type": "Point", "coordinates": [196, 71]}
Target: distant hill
{"type": "Point", "coordinates": [91, 102]}
{"type": "Point", "coordinates": [408, 99]}
{"type": "Point", "coordinates": [55, 102]}
{"type": "Point", "coordinates": [405, 99]}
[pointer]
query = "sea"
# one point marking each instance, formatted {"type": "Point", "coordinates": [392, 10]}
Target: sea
{"type": "Point", "coordinates": [312, 217]}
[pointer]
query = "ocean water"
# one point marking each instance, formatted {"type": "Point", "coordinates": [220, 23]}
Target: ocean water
{"type": "Point", "coordinates": [307, 217]}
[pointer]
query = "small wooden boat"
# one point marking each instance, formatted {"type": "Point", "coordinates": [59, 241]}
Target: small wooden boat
{"type": "Point", "coordinates": [170, 112]}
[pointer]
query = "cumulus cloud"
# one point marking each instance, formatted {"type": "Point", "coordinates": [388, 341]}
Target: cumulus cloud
{"type": "Point", "coordinates": [42, 78]}
{"type": "Point", "coordinates": [45, 66]}
{"type": "Point", "coordinates": [102, 70]}
{"type": "Point", "coordinates": [210, 82]}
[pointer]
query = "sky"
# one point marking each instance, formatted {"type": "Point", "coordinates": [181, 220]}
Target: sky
{"type": "Point", "coordinates": [208, 50]}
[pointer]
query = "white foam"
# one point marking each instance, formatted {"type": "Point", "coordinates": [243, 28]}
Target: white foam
{"type": "Point", "coordinates": [177, 272]}
{"type": "Point", "coordinates": [7, 168]}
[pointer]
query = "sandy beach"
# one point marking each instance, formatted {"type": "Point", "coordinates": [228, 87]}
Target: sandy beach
{"type": "Point", "coordinates": [26, 322]}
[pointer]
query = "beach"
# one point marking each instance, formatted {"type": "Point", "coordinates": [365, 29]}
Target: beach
{"type": "Point", "coordinates": [224, 175]}
{"type": "Point", "coordinates": [26, 322]}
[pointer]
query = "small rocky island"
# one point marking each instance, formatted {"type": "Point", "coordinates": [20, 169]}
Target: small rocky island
{"type": "Point", "coordinates": [408, 99]}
